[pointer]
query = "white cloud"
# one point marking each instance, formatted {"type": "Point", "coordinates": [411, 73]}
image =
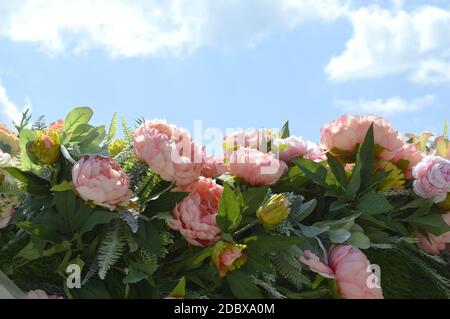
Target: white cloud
{"type": "Point", "coordinates": [127, 28]}
{"type": "Point", "coordinates": [390, 42]}
{"type": "Point", "coordinates": [8, 108]}
{"type": "Point", "coordinates": [386, 107]}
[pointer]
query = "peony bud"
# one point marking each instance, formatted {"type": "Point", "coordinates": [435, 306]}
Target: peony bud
{"type": "Point", "coordinates": [116, 147]}
{"type": "Point", "coordinates": [46, 146]}
{"type": "Point", "coordinates": [274, 211]}
{"type": "Point", "coordinates": [228, 257]}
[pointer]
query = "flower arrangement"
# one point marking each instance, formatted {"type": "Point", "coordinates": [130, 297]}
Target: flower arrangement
{"type": "Point", "coordinates": [363, 215]}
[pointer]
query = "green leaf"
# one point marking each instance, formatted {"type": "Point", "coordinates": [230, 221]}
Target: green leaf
{"type": "Point", "coordinates": [148, 237]}
{"type": "Point", "coordinates": [359, 240]}
{"type": "Point", "coordinates": [306, 209]}
{"type": "Point", "coordinates": [285, 133]}
{"type": "Point", "coordinates": [134, 276]}
{"type": "Point", "coordinates": [33, 183]}
{"type": "Point", "coordinates": [313, 170]}
{"type": "Point", "coordinates": [26, 137]}
{"type": "Point", "coordinates": [367, 155]}
{"type": "Point", "coordinates": [180, 289]}
{"type": "Point", "coordinates": [62, 187]}
{"type": "Point", "coordinates": [338, 170]}
{"type": "Point", "coordinates": [243, 286]}
{"type": "Point", "coordinates": [229, 214]}
{"type": "Point", "coordinates": [39, 231]}
{"type": "Point", "coordinates": [374, 203]}
{"type": "Point", "coordinates": [432, 223]}
{"type": "Point", "coordinates": [291, 181]}
{"type": "Point", "coordinates": [253, 198]}
{"type": "Point", "coordinates": [95, 218]}
{"type": "Point", "coordinates": [166, 202]}
{"type": "Point", "coordinates": [76, 117]}
{"type": "Point", "coordinates": [261, 245]}
{"type": "Point", "coordinates": [339, 236]}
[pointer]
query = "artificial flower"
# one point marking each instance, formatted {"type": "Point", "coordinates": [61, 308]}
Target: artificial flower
{"type": "Point", "coordinates": [101, 180]}
{"type": "Point", "coordinates": [169, 152]}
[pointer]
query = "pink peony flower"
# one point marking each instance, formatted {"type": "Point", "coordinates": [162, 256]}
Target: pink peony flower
{"type": "Point", "coordinates": [410, 153]}
{"type": "Point", "coordinates": [5, 217]}
{"type": "Point", "coordinates": [195, 216]}
{"type": "Point", "coordinates": [102, 181]}
{"type": "Point", "coordinates": [208, 190]}
{"type": "Point", "coordinates": [56, 126]}
{"type": "Point", "coordinates": [256, 168]}
{"type": "Point", "coordinates": [432, 176]}
{"type": "Point", "coordinates": [434, 245]}
{"type": "Point", "coordinates": [349, 267]}
{"type": "Point", "coordinates": [294, 146]}
{"type": "Point", "coordinates": [347, 132]}
{"type": "Point", "coordinates": [169, 152]}
{"type": "Point", "coordinates": [214, 167]}
{"type": "Point", "coordinates": [40, 294]}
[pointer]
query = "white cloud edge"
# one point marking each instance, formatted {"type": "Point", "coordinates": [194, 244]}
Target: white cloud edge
{"type": "Point", "coordinates": [386, 107]}
{"type": "Point", "coordinates": [8, 108]}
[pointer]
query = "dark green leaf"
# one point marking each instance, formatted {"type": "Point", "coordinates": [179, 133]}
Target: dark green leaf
{"type": "Point", "coordinates": [243, 286]}
{"type": "Point", "coordinates": [285, 133]}
{"type": "Point", "coordinates": [374, 203]}
{"type": "Point", "coordinates": [266, 244]}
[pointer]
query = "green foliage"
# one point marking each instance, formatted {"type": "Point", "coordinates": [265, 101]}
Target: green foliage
{"type": "Point", "coordinates": [112, 247]}
{"type": "Point", "coordinates": [229, 215]}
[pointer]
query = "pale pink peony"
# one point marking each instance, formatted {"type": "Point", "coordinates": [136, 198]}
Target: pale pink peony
{"type": "Point", "coordinates": [56, 126]}
{"type": "Point", "coordinates": [257, 139]}
{"type": "Point", "coordinates": [214, 167]}
{"type": "Point", "coordinates": [5, 217]}
{"type": "Point", "coordinates": [347, 132]}
{"type": "Point", "coordinates": [294, 146]}
{"type": "Point", "coordinates": [349, 267]}
{"type": "Point", "coordinates": [256, 168]}
{"type": "Point", "coordinates": [432, 176]}
{"type": "Point", "coordinates": [434, 245]}
{"type": "Point", "coordinates": [195, 216]}
{"type": "Point", "coordinates": [101, 180]}
{"type": "Point", "coordinates": [410, 153]}
{"type": "Point", "coordinates": [40, 294]}
{"type": "Point", "coordinates": [169, 152]}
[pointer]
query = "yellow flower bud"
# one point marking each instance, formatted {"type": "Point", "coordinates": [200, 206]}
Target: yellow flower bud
{"type": "Point", "coordinates": [228, 256]}
{"type": "Point", "coordinates": [274, 211]}
{"type": "Point", "coordinates": [116, 147]}
{"type": "Point", "coordinates": [46, 147]}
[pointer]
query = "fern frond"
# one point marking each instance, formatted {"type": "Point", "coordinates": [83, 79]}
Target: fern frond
{"type": "Point", "coordinates": [273, 291]}
{"type": "Point", "coordinates": [127, 132]}
{"type": "Point", "coordinates": [289, 267]}
{"type": "Point", "coordinates": [109, 138]}
{"type": "Point", "coordinates": [127, 153]}
{"type": "Point", "coordinates": [112, 247]}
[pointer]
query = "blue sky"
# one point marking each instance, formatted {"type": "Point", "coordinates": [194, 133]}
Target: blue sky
{"type": "Point", "coordinates": [230, 64]}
